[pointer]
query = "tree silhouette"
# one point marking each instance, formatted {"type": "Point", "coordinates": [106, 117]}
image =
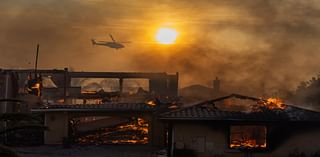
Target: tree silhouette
{"type": "Point", "coordinates": [308, 92]}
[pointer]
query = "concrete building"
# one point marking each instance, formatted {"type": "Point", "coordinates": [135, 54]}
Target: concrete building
{"type": "Point", "coordinates": [58, 118]}
{"type": "Point", "coordinates": [238, 125]}
{"type": "Point", "coordinates": [114, 98]}
{"type": "Point", "coordinates": [59, 87]}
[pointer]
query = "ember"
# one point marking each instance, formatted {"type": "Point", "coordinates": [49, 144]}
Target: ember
{"type": "Point", "coordinates": [151, 103]}
{"type": "Point", "coordinates": [34, 88]}
{"type": "Point", "coordinates": [135, 132]}
{"type": "Point", "coordinates": [248, 137]}
{"type": "Point", "coordinates": [88, 92]}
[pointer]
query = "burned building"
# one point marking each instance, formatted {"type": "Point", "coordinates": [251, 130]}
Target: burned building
{"type": "Point", "coordinates": [238, 125]}
{"type": "Point", "coordinates": [65, 87]}
{"type": "Point", "coordinates": [80, 106]}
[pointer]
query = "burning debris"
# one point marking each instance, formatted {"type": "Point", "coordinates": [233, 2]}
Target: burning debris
{"type": "Point", "coordinates": [248, 137]}
{"type": "Point", "coordinates": [151, 103]}
{"type": "Point", "coordinates": [33, 86]}
{"type": "Point", "coordinates": [134, 132]}
{"type": "Point", "coordinates": [236, 102]}
{"type": "Point", "coordinates": [268, 104]}
{"type": "Point", "coordinates": [273, 103]}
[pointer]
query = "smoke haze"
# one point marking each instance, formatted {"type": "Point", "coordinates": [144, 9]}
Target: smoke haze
{"type": "Point", "coordinates": [252, 45]}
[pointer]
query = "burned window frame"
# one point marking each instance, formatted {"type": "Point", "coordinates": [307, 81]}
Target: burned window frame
{"type": "Point", "coordinates": [248, 148]}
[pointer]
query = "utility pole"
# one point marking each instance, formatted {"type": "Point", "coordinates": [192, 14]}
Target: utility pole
{"type": "Point", "coordinates": [36, 64]}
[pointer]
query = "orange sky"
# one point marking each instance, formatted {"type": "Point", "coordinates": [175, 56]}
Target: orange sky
{"type": "Point", "coordinates": [265, 45]}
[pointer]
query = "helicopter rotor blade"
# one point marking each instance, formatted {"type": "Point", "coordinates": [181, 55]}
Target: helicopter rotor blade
{"type": "Point", "coordinates": [124, 42]}
{"type": "Point", "coordinates": [112, 38]}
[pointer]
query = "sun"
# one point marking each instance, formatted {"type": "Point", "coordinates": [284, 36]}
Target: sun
{"type": "Point", "coordinates": [166, 36]}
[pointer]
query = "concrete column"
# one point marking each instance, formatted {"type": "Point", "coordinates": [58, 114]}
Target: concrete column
{"type": "Point", "coordinates": [170, 140]}
{"type": "Point", "coordinates": [66, 85]}
{"type": "Point", "coordinates": [121, 85]}
{"type": "Point", "coordinates": [5, 105]}
{"type": "Point", "coordinates": [157, 133]}
{"type": "Point", "coordinates": [6, 93]}
{"type": "Point", "coordinates": [58, 127]}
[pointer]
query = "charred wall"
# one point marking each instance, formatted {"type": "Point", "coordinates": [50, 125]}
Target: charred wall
{"type": "Point", "coordinates": [208, 139]}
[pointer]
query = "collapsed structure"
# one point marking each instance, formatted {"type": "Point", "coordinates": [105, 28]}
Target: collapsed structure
{"type": "Point", "coordinates": [82, 107]}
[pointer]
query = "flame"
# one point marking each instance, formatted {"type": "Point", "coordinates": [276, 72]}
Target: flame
{"type": "Point", "coordinates": [151, 103]}
{"type": "Point", "coordinates": [248, 137]}
{"type": "Point", "coordinates": [274, 103]}
{"type": "Point", "coordinates": [60, 101]}
{"type": "Point", "coordinates": [88, 92]}
{"type": "Point", "coordinates": [248, 144]}
{"type": "Point", "coordinates": [36, 87]}
{"type": "Point", "coordinates": [173, 107]}
{"type": "Point", "coordinates": [135, 133]}
{"type": "Point", "coordinates": [140, 126]}
{"type": "Point", "coordinates": [143, 141]}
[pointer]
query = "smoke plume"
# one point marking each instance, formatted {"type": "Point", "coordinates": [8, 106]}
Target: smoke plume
{"type": "Point", "coordinates": [254, 46]}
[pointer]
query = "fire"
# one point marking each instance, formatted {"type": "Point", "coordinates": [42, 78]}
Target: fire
{"type": "Point", "coordinates": [36, 86]}
{"type": "Point", "coordinates": [141, 141]}
{"type": "Point", "coordinates": [249, 137]}
{"type": "Point", "coordinates": [60, 101]}
{"type": "Point", "coordinates": [247, 144]}
{"type": "Point", "coordinates": [151, 103]}
{"type": "Point", "coordinates": [88, 92]}
{"type": "Point", "coordinates": [140, 126]}
{"type": "Point", "coordinates": [135, 132]}
{"type": "Point", "coordinates": [274, 103]}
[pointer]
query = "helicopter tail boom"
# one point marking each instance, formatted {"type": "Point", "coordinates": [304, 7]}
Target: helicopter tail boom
{"type": "Point", "coordinates": [93, 42]}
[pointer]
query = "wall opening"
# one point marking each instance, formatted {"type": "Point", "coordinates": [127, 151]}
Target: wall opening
{"type": "Point", "coordinates": [248, 137]}
{"type": "Point", "coordinates": [109, 130]}
{"type": "Point", "coordinates": [135, 86]}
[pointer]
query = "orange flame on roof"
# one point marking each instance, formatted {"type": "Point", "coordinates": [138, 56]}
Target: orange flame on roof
{"type": "Point", "coordinates": [274, 103]}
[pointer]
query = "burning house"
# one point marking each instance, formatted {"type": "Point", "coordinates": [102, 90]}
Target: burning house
{"type": "Point", "coordinates": [238, 125]}
{"type": "Point", "coordinates": [67, 87]}
{"type": "Point", "coordinates": [93, 107]}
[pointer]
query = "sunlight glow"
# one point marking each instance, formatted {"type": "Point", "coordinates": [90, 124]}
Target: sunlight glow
{"type": "Point", "coordinates": [166, 36]}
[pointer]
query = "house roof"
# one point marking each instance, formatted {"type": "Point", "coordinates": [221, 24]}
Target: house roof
{"type": "Point", "coordinates": [97, 107]}
{"type": "Point", "coordinates": [207, 111]}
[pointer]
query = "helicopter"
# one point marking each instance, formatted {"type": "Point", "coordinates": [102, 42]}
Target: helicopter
{"type": "Point", "coordinates": [112, 44]}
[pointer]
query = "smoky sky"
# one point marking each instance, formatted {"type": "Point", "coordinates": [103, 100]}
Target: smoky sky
{"type": "Point", "coordinates": [253, 46]}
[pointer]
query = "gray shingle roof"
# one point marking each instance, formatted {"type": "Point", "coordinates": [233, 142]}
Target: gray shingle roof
{"type": "Point", "coordinates": [207, 111]}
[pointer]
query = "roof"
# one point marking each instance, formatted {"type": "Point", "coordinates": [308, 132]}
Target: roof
{"type": "Point", "coordinates": [11, 100]}
{"type": "Point", "coordinates": [97, 107]}
{"type": "Point", "coordinates": [207, 111]}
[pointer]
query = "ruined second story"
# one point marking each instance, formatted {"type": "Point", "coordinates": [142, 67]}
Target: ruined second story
{"type": "Point", "coordinates": [69, 87]}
